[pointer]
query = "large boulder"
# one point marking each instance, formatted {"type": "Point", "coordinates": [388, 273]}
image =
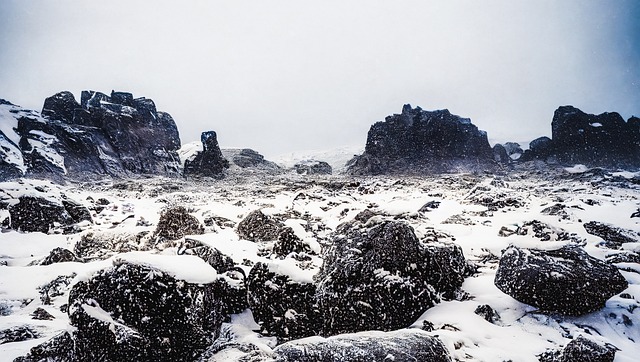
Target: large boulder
{"type": "Point", "coordinates": [39, 214]}
{"type": "Point", "coordinates": [382, 277]}
{"type": "Point", "coordinates": [613, 236]}
{"type": "Point", "coordinates": [566, 280]}
{"type": "Point", "coordinates": [284, 307]}
{"type": "Point", "coordinates": [398, 346]}
{"type": "Point", "coordinates": [418, 141]}
{"type": "Point", "coordinates": [248, 158]}
{"type": "Point", "coordinates": [584, 349]}
{"type": "Point", "coordinates": [140, 313]}
{"type": "Point", "coordinates": [209, 162]}
{"type": "Point", "coordinates": [176, 222]}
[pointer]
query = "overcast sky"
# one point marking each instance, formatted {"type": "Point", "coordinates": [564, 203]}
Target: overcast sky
{"type": "Point", "coordinates": [279, 76]}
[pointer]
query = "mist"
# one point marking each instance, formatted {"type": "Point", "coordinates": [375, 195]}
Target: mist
{"type": "Point", "coordinates": [282, 76]}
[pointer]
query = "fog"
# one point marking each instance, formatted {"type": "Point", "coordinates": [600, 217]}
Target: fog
{"type": "Point", "coordinates": [280, 76]}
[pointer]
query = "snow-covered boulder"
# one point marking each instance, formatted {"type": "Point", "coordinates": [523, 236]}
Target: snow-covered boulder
{"type": "Point", "coordinates": [584, 349]}
{"type": "Point", "coordinates": [398, 346]}
{"type": "Point", "coordinates": [39, 214]}
{"type": "Point", "coordinates": [259, 227]}
{"type": "Point", "coordinates": [382, 277]}
{"type": "Point", "coordinates": [566, 280]}
{"type": "Point", "coordinates": [283, 306]}
{"type": "Point", "coordinates": [138, 312]}
{"type": "Point", "coordinates": [288, 242]}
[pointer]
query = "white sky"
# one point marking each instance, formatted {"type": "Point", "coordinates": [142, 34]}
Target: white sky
{"type": "Point", "coordinates": [279, 76]}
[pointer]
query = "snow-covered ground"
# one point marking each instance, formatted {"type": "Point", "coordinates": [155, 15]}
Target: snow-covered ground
{"type": "Point", "coordinates": [521, 334]}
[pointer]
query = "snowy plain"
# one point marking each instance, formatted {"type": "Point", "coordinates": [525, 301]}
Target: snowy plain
{"type": "Point", "coordinates": [315, 206]}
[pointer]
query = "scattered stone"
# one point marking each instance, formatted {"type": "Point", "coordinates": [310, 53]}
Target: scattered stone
{"type": "Point", "coordinates": [259, 227]}
{"type": "Point", "coordinates": [288, 243]}
{"type": "Point", "coordinates": [431, 205]}
{"type": "Point", "coordinates": [364, 215]}
{"type": "Point", "coordinates": [58, 255]}
{"type": "Point", "coordinates": [398, 346]}
{"type": "Point", "coordinates": [566, 280]}
{"type": "Point", "coordinates": [100, 245]}
{"type": "Point", "coordinates": [55, 288]}
{"type": "Point", "coordinates": [546, 232]}
{"type": "Point", "coordinates": [623, 257]}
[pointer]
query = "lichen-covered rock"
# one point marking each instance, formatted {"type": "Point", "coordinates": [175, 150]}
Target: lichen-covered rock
{"type": "Point", "coordinates": [418, 142]}
{"type": "Point", "coordinates": [382, 277]}
{"type": "Point", "coordinates": [313, 167]}
{"type": "Point", "coordinates": [135, 312]}
{"type": "Point", "coordinates": [176, 222]}
{"type": "Point", "coordinates": [209, 162]}
{"type": "Point", "coordinates": [259, 227]}
{"type": "Point", "coordinates": [283, 307]}
{"type": "Point", "coordinates": [582, 349]}
{"type": "Point", "coordinates": [566, 280]}
{"type": "Point", "coordinates": [104, 244]}
{"type": "Point", "coordinates": [398, 346]}
{"type": "Point", "coordinates": [37, 214]}
{"type": "Point", "coordinates": [613, 236]}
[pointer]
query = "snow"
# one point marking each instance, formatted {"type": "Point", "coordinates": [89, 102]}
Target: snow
{"type": "Point", "coordinates": [519, 335]}
{"type": "Point", "coordinates": [9, 122]}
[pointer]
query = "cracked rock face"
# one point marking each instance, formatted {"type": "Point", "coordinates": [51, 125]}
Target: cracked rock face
{"type": "Point", "coordinates": [567, 280]}
{"type": "Point", "coordinates": [383, 277]}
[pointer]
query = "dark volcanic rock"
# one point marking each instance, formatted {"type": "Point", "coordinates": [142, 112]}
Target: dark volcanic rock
{"type": "Point", "coordinates": [117, 135]}
{"type": "Point", "coordinates": [397, 346]}
{"type": "Point", "coordinates": [585, 350]}
{"type": "Point", "coordinates": [488, 313]}
{"type": "Point", "coordinates": [59, 255]}
{"type": "Point", "coordinates": [138, 313]}
{"type": "Point", "coordinates": [283, 307]}
{"type": "Point", "coordinates": [612, 235]}
{"type": "Point", "coordinates": [288, 242]}
{"type": "Point", "coordinates": [594, 140]}
{"type": "Point", "coordinates": [259, 227]}
{"type": "Point", "coordinates": [56, 349]}
{"type": "Point", "coordinates": [313, 167]}
{"type": "Point", "coordinates": [37, 214]}
{"type": "Point", "coordinates": [11, 160]}
{"type": "Point", "coordinates": [418, 141]}
{"type": "Point", "coordinates": [567, 280]}
{"type": "Point", "coordinates": [17, 334]}
{"type": "Point", "coordinates": [176, 222]}
{"type": "Point", "coordinates": [209, 162]}
{"type": "Point", "coordinates": [500, 154]}
{"type": "Point", "coordinates": [383, 278]}
{"type": "Point", "coordinates": [539, 149]}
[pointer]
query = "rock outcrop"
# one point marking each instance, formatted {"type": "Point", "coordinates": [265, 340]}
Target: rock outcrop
{"type": "Point", "coordinates": [603, 140]}
{"type": "Point", "coordinates": [566, 280]}
{"type": "Point", "coordinates": [313, 167]}
{"type": "Point", "coordinates": [209, 162]}
{"type": "Point", "coordinates": [418, 142]}
{"type": "Point", "coordinates": [248, 158]}
{"type": "Point", "coordinates": [259, 227]}
{"type": "Point", "coordinates": [113, 135]}
{"type": "Point", "coordinates": [38, 214]}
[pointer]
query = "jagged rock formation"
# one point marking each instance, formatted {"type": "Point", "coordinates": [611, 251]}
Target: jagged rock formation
{"type": "Point", "coordinates": [418, 141]}
{"type": "Point", "coordinates": [113, 135]}
{"type": "Point", "coordinates": [209, 162]}
{"type": "Point", "coordinates": [603, 140]}
{"type": "Point", "coordinates": [566, 280]}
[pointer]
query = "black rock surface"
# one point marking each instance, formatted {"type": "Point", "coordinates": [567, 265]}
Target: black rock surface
{"type": "Point", "coordinates": [209, 162]}
{"type": "Point", "coordinates": [259, 227]}
{"type": "Point", "coordinates": [418, 142]}
{"type": "Point", "coordinates": [567, 280]}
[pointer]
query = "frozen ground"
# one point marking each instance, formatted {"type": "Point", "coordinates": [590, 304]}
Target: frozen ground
{"type": "Point", "coordinates": [472, 211]}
